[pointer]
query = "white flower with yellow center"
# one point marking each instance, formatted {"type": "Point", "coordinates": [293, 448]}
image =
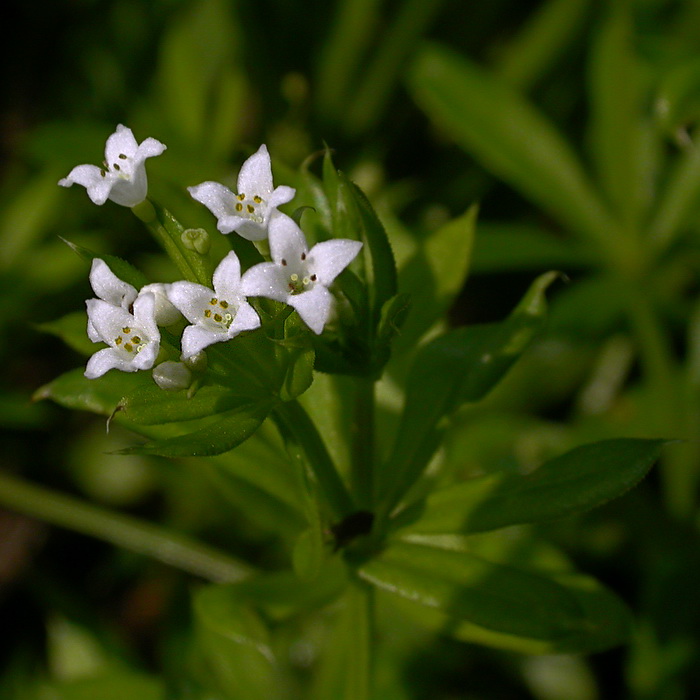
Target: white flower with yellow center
{"type": "Point", "coordinates": [298, 276]}
{"type": "Point", "coordinates": [133, 338]}
{"type": "Point", "coordinates": [123, 177]}
{"type": "Point", "coordinates": [217, 314]}
{"type": "Point", "coordinates": [248, 213]}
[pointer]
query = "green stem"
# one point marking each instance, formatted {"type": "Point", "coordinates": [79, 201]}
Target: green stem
{"type": "Point", "coordinates": [358, 683]}
{"type": "Point", "coordinates": [121, 530]}
{"type": "Point", "coordinates": [363, 466]}
{"type": "Point", "coordinates": [296, 421]}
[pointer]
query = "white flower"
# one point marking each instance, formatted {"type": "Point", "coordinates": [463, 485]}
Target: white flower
{"type": "Point", "coordinates": [165, 313]}
{"type": "Point", "coordinates": [217, 315]}
{"type": "Point", "coordinates": [248, 213]}
{"type": "Point", "coordinates": [133, 339]}
{"type": "Point", "coordinates": [123, 178]}
{"type": "Point", "coordinates": [299, 276]}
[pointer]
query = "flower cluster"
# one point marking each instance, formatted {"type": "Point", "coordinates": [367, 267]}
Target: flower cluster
{"type": "Point", "coordinates": [128, 320]}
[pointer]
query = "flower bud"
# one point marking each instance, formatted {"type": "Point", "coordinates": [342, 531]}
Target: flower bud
{"type": "Point", "coordinates": [196, 239]}
{"type": "Point", "coordinates": [172, 376]}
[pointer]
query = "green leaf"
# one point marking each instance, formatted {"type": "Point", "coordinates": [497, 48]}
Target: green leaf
{"type": "Point", "coordinates": [111, 685]}
{"type": "Point", "coordinates": [221, 435]}
{"type": "Point", "coordinates": [584, 478]}
{"type": "Point", "coordinates": [151, 405]}
{"type": "Point", "coordinates": [460, 366]}
{"type": "Point", "coordinates": [71, 328]}
{"type": "Point", "coordinates": [121, 268]}
{"type": "Point", "coordinates": [436, 274]}
{"type": "Point", "coordinates": [308, 553]}
{"type": "Point", "coordinates": [469, 588]}
{"type": "Point", "coordinates": [101, 395]}
{"type": "Point", "coordinates": [344, 671]}
{"type": "Point", "coordinates": [507, 134]}
{"type": "Point", "coordinates": [234, 645]}
{"type": "Point", "coordinates": [617, 130]}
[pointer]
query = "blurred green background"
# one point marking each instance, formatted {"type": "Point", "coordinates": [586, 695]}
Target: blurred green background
{"type": "Point", "coordinates": [571, 122]}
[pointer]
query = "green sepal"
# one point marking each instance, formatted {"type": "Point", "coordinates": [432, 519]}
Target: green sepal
{"type": "Point", "coordinates": [460, 366]}
{"type": "Point", "coordinates": [121, 268]}
{"type": "Point", "coordinates": [219, 435]}
{"type": "Point", "coordinates": [583, 478]}
{"type": "Point", "coordinates": [233, 645]}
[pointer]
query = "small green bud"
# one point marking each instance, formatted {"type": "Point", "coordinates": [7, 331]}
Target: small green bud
{"type": "Point", "coordinates": [196, 239]}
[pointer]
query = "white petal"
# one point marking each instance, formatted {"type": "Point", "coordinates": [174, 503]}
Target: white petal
{"type": "Point", "coordinates": [165, 314]}
{"type": "Point", "coordinates": [107, 320]}
{"type": "Point", "coordinates": [149, 148]}
{"type": "Point", "coordinates": [92, 332]}
{"type": "Point", "coordinates": [227, 278]}
{"type": "Point", "coordinates": [109, 287]}
{"type": "Point", "coordinates": [104, 360]}
{"type": "Point", "coordinates": [246, 319]}
{"type": "Point", "coordinates": [196, 338]}
{"type": "Point", "coordinates": [281, 195]}
{"type": "Point", "coordinates": [287, 241]}
{"type": "Point", "coordinates": [144, 315]}
{"type": "Point", "coordinates": [329, 258]}
{"type": "Point", "coordinates": [191, 299]}
{"type": "Point", "coordinates": [122, 141]}
{"type": "Point", "coordinates": [314, 307]}
{"type": "Point", "coordinates": [255, 176]}
{"type": "Point", "coordinates": [145, 358]}
{"type": "Point", "coordinates": [265, 280]}
{"type": "Point", "coordinates": [85, 175]}
{"type": "Point", "coordinates": [250, 230]}
{"type": "Point", "coordinates": [215, 197]}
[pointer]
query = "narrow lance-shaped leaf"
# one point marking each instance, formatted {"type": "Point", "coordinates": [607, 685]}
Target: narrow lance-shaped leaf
{"type": "Point", "coordinates": [509, 136]}
{"type": "Point", "coordinates": [572, 483]}
{"type": "Point", "coordinates": [469, 588]}
{"type": "Point", "coordinates": [234, 645]}
{"type": "Point", "coordinates": [218, 436]}
{"type": "Point", "coordinates": [460, 366]}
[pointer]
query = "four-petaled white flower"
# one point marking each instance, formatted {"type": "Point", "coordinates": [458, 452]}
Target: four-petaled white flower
{"type": "Point", "coordinates": [123, 178]}
{"type": "Point", "coordinates": [133, 338]}
{"type": "Point", "coordinates": [249, 212]}
{"type": "Point", "coordinates": [299, 276]}
{"type": "Point", "coordinates": [216, 315]}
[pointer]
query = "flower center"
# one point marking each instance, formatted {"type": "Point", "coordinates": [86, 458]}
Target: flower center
{"type": "Point", "coordinates": [219, 314]}
{"type": "Point", "coordinates": [252, 208]}
{"type": "Point", "coordinates": [120, 168]}
{"type": "Point", "coordinates": [300, 278]}
{"type": "Point", "coordinates": [130, 342]}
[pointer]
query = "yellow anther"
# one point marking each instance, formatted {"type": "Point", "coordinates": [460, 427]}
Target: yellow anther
{"type": "Point", "coordinates": [240, 197]}
{"type": "Point", "coordinates": [251, 209]}
{"type": "Point", "coordinates": [217, 318]}
{"type": "Point", "coordinates": [239, 207]}
{"type": "Point", "coordinates": [257, 199]}
{"type": "Point", "coordinates": [223, 304]}
{"type": "Point", "coordinates": [213, 301]}
{"type": "Point", "coordinates": [128, 347]}
{"type": "Point", "coordinates": [207, 313]}
{"type": "Point", "coordinates": [126, 329]}
{"type": "Point", "coordinates": [118, 340]}
{"type": "Point", "coordinates": [135, 339]}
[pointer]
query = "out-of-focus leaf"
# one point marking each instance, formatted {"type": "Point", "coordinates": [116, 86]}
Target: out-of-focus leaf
{"type": "Point", "coordinates": [234, 645]}
{"type": "Point", "coordinates": [72, 330]}
{"type": "Point", "coordinates": [345, 669]}
{"type": "Point", "coordinates": [469, 588]}
{"type": "Point", "coordinates": [219, 435]}
{"type": "Point", "coordinates": [436, 274]}
{"type": "Point", "coordinates": [308, 553]}
{"type": "Point", "coordinates": [572, 483]}
{"type": "Point", "coordinates": [548, 32]}
{"type": "Point", "coordinates": [509, 136]}
{"type": "Point", "coordinates": [616, 125]}
{"type": "Point", "coordinates": [112, 685]}
{"type": "Point", "coordinates": [460, 366]}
